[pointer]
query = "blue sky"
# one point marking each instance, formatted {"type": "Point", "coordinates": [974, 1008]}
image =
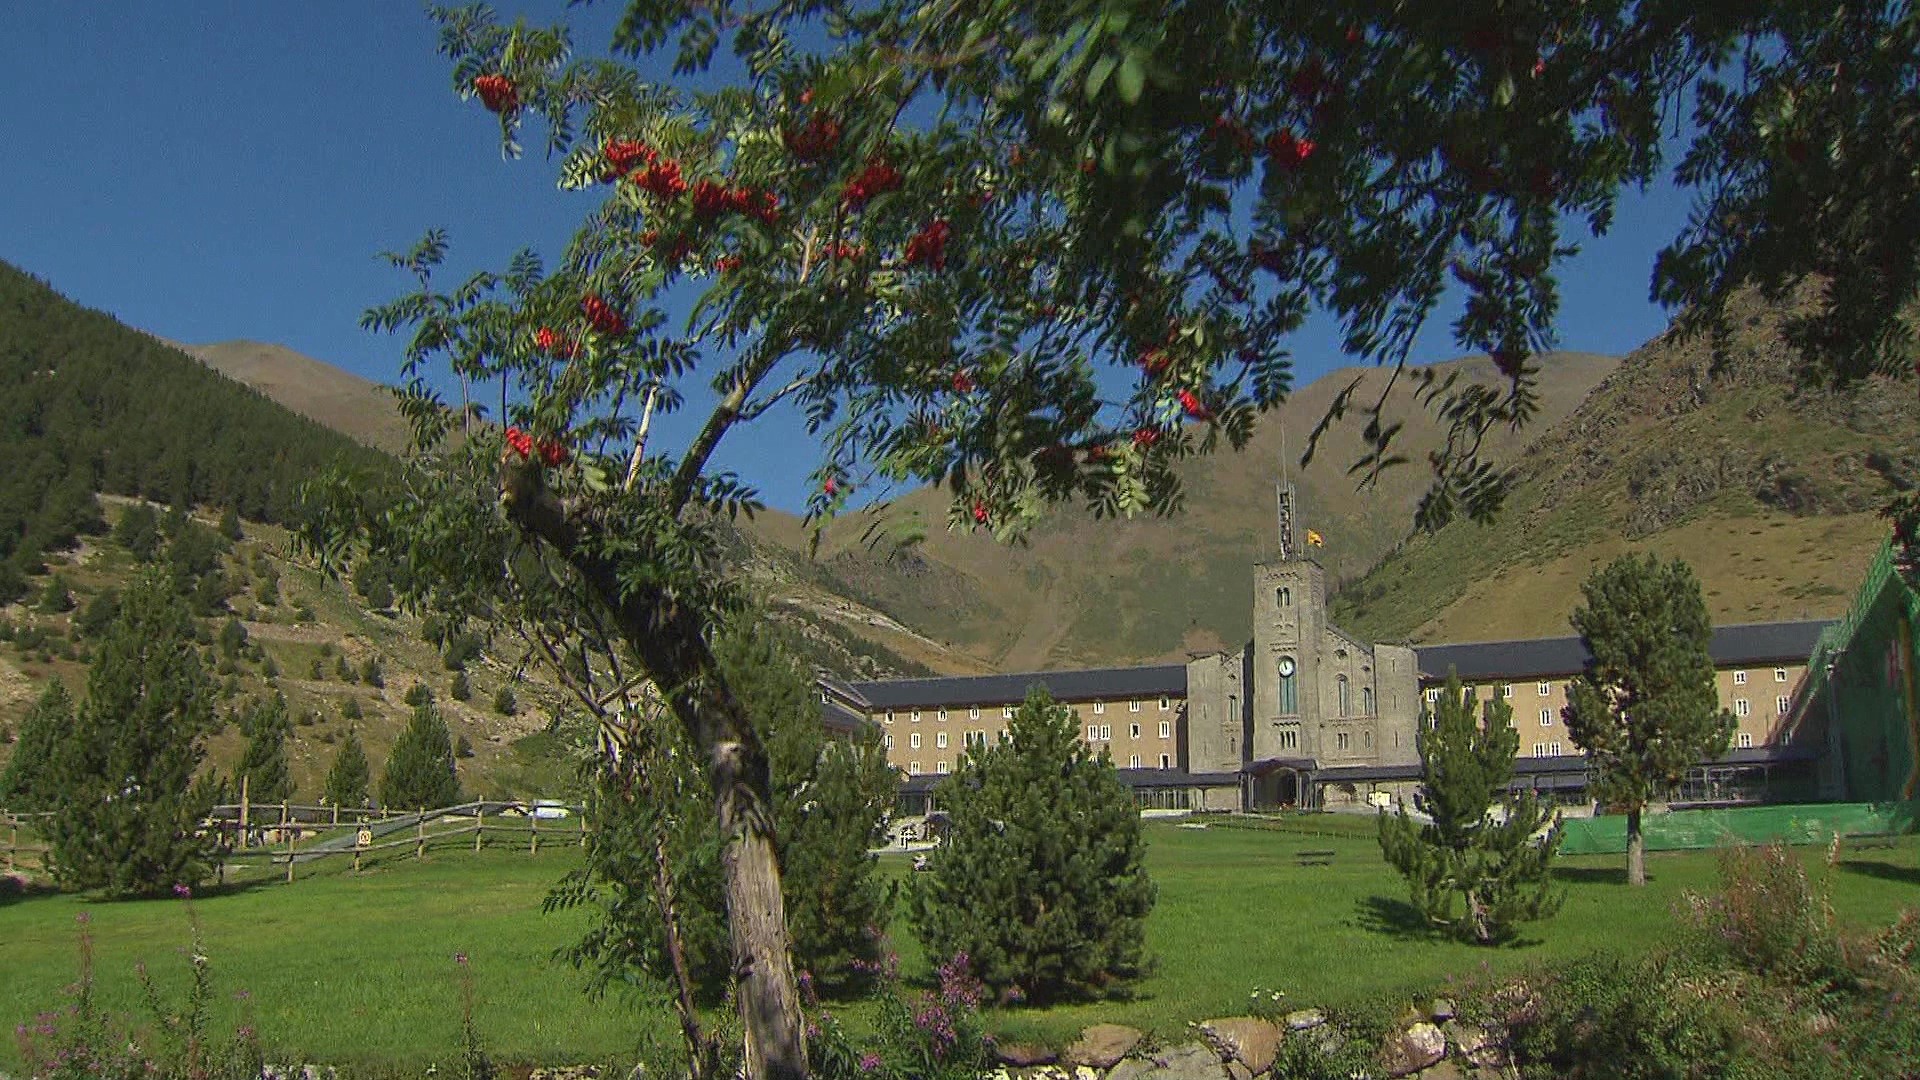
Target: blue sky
{"type": "Point", "coordinates": [209, 171]}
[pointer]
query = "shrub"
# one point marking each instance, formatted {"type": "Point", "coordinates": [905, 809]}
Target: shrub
{"type": "Point", "coordinates": [505, 703]}
{"type": "Point", "coordinates": [459, 688]}
{"type": "Point", "coordinates": [417, 695]}
{"type": "Point", "coordinates": [350, 709]}
{"type": "Point", "coordinates": [371, 674]}
{"type": "Point", "coordinates": [1769, 918]}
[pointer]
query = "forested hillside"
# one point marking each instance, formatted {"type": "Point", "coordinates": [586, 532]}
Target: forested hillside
{"type": "Point", "coordinates": [90, 405]}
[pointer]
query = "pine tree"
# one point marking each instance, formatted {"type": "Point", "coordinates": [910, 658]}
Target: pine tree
{"type": "Point", "coordinates": [1646, 709]}
{"type": "Point", "coordinates": [420, 771]}
{"type": "Point", "coordinates": [1041, 882]}
{"type": "Point", "coordinates": [127, 806]}
{"type": "Point", "coordinates": [371, 674]}
{"type": "Point", "coordinates": [347, 779]}
{"type": "Point", "coordinates": [505, 703]}
{"type": "Point", "coordinates": [350, 709]}
{"type": "Point", "coordinates": [230, 524]}
{"type": "Point", "coordinates": [1478, 847]}
{"type": "Point", "coordinates": [139, 531]}
{"type": "Point", "coordinates": [26, 785]}
{"type": "Point", "coordinates": [264, 762]}
{"type": "Point", "coordinates": [459, 689]}
{"type": "Point", "coordinates": [57, 597]}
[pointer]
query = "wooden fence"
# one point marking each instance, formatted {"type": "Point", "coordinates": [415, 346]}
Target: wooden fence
{"type": "Point", "coordinates": [287, 835]}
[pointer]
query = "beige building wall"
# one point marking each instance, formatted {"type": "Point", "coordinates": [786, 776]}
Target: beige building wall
{"type": "Point", "coordinates": [1142, 728]}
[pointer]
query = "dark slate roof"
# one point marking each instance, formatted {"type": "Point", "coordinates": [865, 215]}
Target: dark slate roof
{"type": "Point", "coordinates": [1740, 643]}
{"type": "Point", "coordinates": [1097, 684]}
{"type": "Point", "coordinates": [837, 717]}
{"type": "Point", "coordinates": [1564, 770]}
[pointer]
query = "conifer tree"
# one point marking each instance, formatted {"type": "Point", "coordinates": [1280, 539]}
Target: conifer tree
{"type": "Point", "coordinates": [1041, 882]}
{"type": "Point", "coordinates": [263, 764]}
{"type": "Point", "coordinates": [26, 785]}
{"type": "Point", "coordinates": [459, 689]}
{"type": "Point", "coordinates": [1646, 709]}
{"type": "Point", "coordinates": [57, 597]}
{"type": "Point", "coordinates": [347, 780]}
{"type": "Point", "coordinates": [1478, 848]}
{"type": "Point", "coordinates": [230, 524]}
{"type": "Point", "coordinates": [505, 703]}
{"type": "Point", "coordinates": [420, 772]}
{"type": "Point", "coordinates": [139, 531]}
{"type": "Point", "coordinates": [127, 808]}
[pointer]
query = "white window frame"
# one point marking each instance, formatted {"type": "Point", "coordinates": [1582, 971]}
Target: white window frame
{"type": "Point", "coordinates": [1546, 717]}
{"type": "Point", "coordinates": [1739, 678]}
{"type": "Point", "coordinates": [1546, 689]}
{"type": "Point", "coordinates": [1099, 708]}
{"type": "Point", "coordinates": [940, 741]}
{"type": "Point", "coordinates": [1166, 703]}
{"type": "Point", "coordinates": [1133, 731]}
{"type": "Point", "coordinates": [915, 717]}
{"type": "Point", "coordinates": [1506, 690]}
{"type": "Point", "coordinates": [1744, 740]}
{"type": "Point", "coordinates": [1341, 740]}
{"type": "Point", "coordinates": [943, 716]}
{"type": "Point", "coordinates": [1553, 749]}
{"type": "Point", "coordinates": [1006, 712]}
{"type": "Point", "coordinates": [1093, 732]}
{"type": "Point", "coordinates": [1433, 694]}
{"type": "Point", "coordinates": [1539, 749]}
{"type": "Point", "coordinates": [913, 741]}
{"type": "Point", "coordinates": [1166, 762]}
{"type": "Point", "coordinates": [1106, 732]}
{"type": "Point", "coordinates": [889, 716]}
{"type": "Point", "coordinates": [1166, 729]}
{"type": "Point", "coordinates": [1742, 707]}
{"type": "Point", "coordinates": [1779, 674]}
{"type": "Point", "coordinates": [1133, 762]}
{"type": "Point", "coordinates": [941, 768]}
{"type": "Point", "coordinates": [973, 713]}
{"type": "Point", "coordinates": [887, 741]}
{"type": "Point", "coordinates": [1783, 704]}
{"type": "Point", "coordinates": [913, 768]}
{"type": "Point", "coordinates": [1133, 705]}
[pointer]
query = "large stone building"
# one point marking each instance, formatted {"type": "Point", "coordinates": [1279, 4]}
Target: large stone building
{"type": "Point", "coordinates": [1307, 714]}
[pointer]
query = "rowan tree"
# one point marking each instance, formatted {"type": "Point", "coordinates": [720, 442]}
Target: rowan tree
{"type": "Point", "coordinates": [1477, 848]}
{"type": "Point", "coordinates": [1647, 706]}
{"type": "Point", "coordinates": [1041, 882]}
{"type": "Point", "coordinates": [1042, 252]}
{"type": "Point", "coordinates": [27, 783]}
{"type": "Point", "coordinates": [127, 812]}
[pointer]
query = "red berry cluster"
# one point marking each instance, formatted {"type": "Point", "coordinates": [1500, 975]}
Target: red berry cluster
{"type": "Point", "coordinates": [520, 441]}
{"type": "Point", "coordinates": [876, 178]}
{"type": "Point", "coordinates": [846, 251]}
{"type": "Point", "coordinates": [1194, 407]}
{"type": "Point", "coordinates": [552, 452]}
{"type": "Point", "coordinates": [712, 199]}
{"type": "Point", "coordinates": [962, 383]}
{"type": "Point", "coordinates": [979, 511]}
{"type": "Point", "coordinates": [1155, 362]}
{"type": "Point", "coordinates": [555, 344]}
{"type": "Point", "coordinates": [928, 247]}
{"type": "Point", "coordinates": [625, 155]}
{"type": "Point", "coordinates": [602, 316]}
{"type": "Point", "coordinates": [497, 93]}
{"type": "Point", "coordinates": [1145, 437]}
{"type": "Point", "coordinates": [661, 178]}
{"type": "Point", "coordinates": [1287, 150]}
{"type": "Point", "coordinates": [814, 139]}
{"type": "Point", "coordinates": [727, 263]}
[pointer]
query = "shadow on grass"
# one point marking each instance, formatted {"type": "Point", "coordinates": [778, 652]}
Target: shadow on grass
{"type": "Point", "coordinates": [1592, 875]}
{"type": "Point", "coordinates": [15, 888]}
{"type": "Point", "coordinates": [1906, 875]}
{"type": "Point", "coordinates": [1395, 918]}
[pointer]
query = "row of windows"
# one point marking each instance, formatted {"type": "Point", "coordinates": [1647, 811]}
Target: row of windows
{"type": "Point", "coordinates": [1552, 749]}
{"type": "Point", "coordinates": [1006, 711]}
{"type": "Point", "coordinates": [942, 768]}
{"type": "Point", "coordinates": [967, 738]}
{"type": "Point", "coordinates": [1104, 732]}
{"type": "Point", "coordinates": [1546, 690]}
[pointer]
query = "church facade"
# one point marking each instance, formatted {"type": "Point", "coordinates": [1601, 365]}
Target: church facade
{"type": "Point", "coordinates": [1307, 714]}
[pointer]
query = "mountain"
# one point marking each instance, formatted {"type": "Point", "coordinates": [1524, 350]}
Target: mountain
{"type": "Point", "coordinates": [1089, 592]}
{"type": "Point", "coordinates": [328, 395]}
{"type": "Point", "coordinates": [1766, 486]}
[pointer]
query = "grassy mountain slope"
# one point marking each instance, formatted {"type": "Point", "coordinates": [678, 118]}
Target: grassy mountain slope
{"type": "Point", "coordinates": [1767, 488]}
{"type": "Point", "coordinates": [1093, 592]}
{"type": "Point", "coordinates": [316, 390]}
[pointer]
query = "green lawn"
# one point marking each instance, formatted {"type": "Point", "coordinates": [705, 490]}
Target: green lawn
{"type": "Point", "coordinates": [358, 970]}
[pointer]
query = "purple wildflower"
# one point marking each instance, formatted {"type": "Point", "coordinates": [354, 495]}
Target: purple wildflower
{"type": "Point", "coordinates": [869, 1061]}
{"type": "Point", "coordinates": [183, 891]}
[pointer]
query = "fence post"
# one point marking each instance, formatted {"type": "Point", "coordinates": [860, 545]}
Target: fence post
{"type": "Point", "coordinates": [336, 815]}
{"type": "Point", "coordinates": [583, 830]}
{"type": "Point", "coordinates": [479, 822]}
{"type": "Point", "coordinates": [244, 810]}
{"type": "Point", "coordinates": [420, 835]}
{"type": "Point", "coordinates": [13, 839]}
{"type": "Point", "coordinates": [291, 835]}
{"type": "Point", "coordinates": [533, 831]}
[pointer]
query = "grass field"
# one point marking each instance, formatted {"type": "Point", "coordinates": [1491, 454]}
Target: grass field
{"type": "Point", "coordinates": [358, 970]}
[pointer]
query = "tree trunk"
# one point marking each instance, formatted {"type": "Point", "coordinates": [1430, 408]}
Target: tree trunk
{"type": "Point", "coordinates": [669, 640]}
{"type": "Point", "coordinates": [1636, 849]}
{"type": "Point", "coordinates": [699, 1053]}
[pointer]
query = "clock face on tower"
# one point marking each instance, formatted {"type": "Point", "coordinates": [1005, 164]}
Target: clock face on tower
{"type": "Point", "coordinates": [1286, 666]}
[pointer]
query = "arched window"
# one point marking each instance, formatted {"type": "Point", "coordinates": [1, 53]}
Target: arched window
{"type": "Point", "coordinates": [1289, 687]}
{"type": "Point", "coordinates": [1283, 596]}
{"type": "Point", "coordinates": [1366, 701]}
{"type": "Point", "coordinates": [1346, 704]}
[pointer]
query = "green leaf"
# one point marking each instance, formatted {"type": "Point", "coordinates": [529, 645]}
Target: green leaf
{"type": "Point", "coordinates": [1097, 79]}
{"type": "Point", "coordinates": [1133, 77]}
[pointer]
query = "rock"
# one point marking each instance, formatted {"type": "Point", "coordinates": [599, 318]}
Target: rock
{"type": "Point", "coordinates": [1328, 1040]}
{"type": "Point", "coordinates": [1415, 1048]}
{"type": "Point", "coordinates": [1085, 1072]}
{"type": "Point", "coordinates": [1194, 1061]}
{"type": "Point", "coordinates": [1442, 1010]}
{"type": "Point", "coordinates": [1247, 1039]}
{"type": "Point", "coordinates": [1444, 1069]}
{"type": "Point", "coordinates": [1237, 1071]}
{"type": "Point", "coordinates": [1305, 1019]}
{"type": "Point", "coordinates": [1020, 1055]}
{"type": "Point", "coordinates": [1473, 1042]}
{"type": "Point", "coordinates": [1102, 1046]}
{"type": "Point", "coordinates": [1131, 1069]}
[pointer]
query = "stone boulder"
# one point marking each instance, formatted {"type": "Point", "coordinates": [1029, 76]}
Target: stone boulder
{"type": "Point", "coordinates": [1475, 1044]}
{"type": "Point", "coordinates": [1305, 1019]}
{"type": "Point", "coordinates": [1414, 1048]}
{"type": "Point", "coordinates": [1102, 1046]}
{"type": "Point", "coordinates": [1251, 1041]}
{"type": "Point", "coordinates": [1194, 1061]}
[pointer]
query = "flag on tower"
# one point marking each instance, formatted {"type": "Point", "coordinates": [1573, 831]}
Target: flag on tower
{"type": "Point", "coordinates": [1314, 539]}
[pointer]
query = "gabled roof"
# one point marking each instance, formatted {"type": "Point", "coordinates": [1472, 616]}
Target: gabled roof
{"type": "Point", "coordinates": [1094, 684]}
{"type": "Point", "coordinates": [1730, 646]}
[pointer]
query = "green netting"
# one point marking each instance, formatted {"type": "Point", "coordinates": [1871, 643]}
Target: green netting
{"type": "Point", "coordinates": [1684, 829]}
